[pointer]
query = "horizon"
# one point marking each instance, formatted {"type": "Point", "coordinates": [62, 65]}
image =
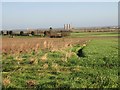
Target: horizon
{"type": "Point", "coordinates": [23, 29]}
{"type": "Point", "coordinates": [22, 15]}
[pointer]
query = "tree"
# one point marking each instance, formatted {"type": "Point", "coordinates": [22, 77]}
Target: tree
{"type": "Point", "coordinates": [7, 32]}
{"type": "Point", "coordinates": [10, 32]}
{"type": "Point", "coordinates": [50, 28]}
{"type": "Point", "coordinates": [21, 33]}
{"type": "Point", "coordinates": [32, 33]}
{"type": "Point", "coordinates": [2, 32]}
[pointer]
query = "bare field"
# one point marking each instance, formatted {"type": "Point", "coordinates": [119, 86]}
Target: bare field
{"type": "Point", "coordinates": [19, 45]}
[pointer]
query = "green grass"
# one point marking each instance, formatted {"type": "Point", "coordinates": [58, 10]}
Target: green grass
{"type": "Point", "coordinates": [98, 69]}
{"type": "Point", "coordinates": [89, 34]}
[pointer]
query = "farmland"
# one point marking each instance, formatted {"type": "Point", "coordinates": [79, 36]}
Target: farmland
{"type": "Point", "coordinates": [18, 45]}
{"type": "Point", "coordinates": [33, 62]}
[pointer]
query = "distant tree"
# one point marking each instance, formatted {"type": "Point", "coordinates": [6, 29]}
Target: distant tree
{"type": "Point", "coordinates": [2, 32]}
{"type": "Point", "coordinates": [45, 33]}
{"type": "Point", "coordinates": [50, 28]}
{"type": "Point", "coordinates": [32, 33]}
{"type": "Point", "coordinates": [21, 33]}
{"type": "Point", "coordinates": [108, 27]}
{"type": "Point", "coordinates": [7, 32]}
{"type": "Point", "coordinates": [10, 32]}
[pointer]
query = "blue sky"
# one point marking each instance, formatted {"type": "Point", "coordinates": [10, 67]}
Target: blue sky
{"type": "Point", "coordinates": [59, 0]}
{"type": "Point", "coordinates": [45, 14]}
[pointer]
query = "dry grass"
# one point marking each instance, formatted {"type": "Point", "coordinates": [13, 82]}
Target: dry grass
{"type": "Point", "coordinates": [33, 61]}
{"type": "Point", "coordinates": [45, 66]}
{"type": "Point", "coordinates": [6, 81]}
{"type": "Point", "coordinates": [23, 45]}
{"type": "Point", "coordinates": [31, 83]}
{"type": "Point", "coordinates": [44, 57]}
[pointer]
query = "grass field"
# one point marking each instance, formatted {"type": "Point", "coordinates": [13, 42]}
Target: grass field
{"type": "Point", "coordinates": [93, 34]}
{"type": "Point", "coordinates": [64, 68]}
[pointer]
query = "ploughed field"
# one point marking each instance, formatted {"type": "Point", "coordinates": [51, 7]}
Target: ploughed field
{"type": "Point", "coordinates": [72, 62]}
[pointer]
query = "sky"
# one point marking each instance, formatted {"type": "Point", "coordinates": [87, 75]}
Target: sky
{"type": "Point", "coordinates": [60, 0]}
{"type": "Point", "coordinates": [22, 15]}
